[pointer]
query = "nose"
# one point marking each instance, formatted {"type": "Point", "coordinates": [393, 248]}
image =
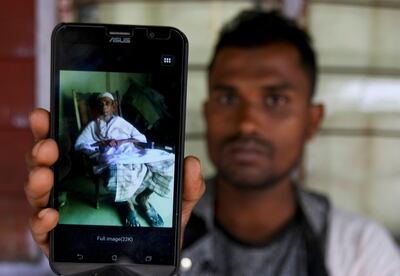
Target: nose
{"type": "Point", "coordinates": [248, 118]}
{"type": "Point", "coordinates": [103, 105]}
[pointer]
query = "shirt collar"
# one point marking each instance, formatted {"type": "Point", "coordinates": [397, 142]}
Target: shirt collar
{"type": "Point", "coordinates": [315, 207]}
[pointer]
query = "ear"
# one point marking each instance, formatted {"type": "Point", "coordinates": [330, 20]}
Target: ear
{"type": "Point", "coordinates": [206, 109]}
{"type": "Point", "coordinates": [316, 114]}
{"type": "Point", "coordinates": [115, 106]}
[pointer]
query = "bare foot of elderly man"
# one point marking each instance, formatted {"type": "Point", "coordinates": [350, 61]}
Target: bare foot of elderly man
{"type": "Point", "coordinates": [44, 154]}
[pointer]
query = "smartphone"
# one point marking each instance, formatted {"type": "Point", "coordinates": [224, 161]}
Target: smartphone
{"type": "Point", "coordinates": [118, 95]}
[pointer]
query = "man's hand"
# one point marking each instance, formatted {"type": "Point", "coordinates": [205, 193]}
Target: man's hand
{"type": "Point", "coordinates": [40, 181]}
{"type": "Point", "coordinates": [113, 143]}
{"type": "Point", "coordinates": [193, 189]}
{"type": "Point", "coordinates": [105, 143]}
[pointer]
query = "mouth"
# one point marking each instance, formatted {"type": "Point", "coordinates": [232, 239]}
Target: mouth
{"type": "Point", "coordinates": [247, 151]}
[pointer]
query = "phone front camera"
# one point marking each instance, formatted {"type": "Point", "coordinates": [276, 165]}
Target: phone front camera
{"type": "Point", "coordinates": [152, 35]}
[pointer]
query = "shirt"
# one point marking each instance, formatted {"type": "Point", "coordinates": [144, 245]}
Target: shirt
{"type": "Point", "coordinates": [350, 245]}
{"type": "Point", "coordinates": [98, 130]}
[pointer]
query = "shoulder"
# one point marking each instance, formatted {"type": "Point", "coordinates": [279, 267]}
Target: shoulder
{"type": "Point", "coordinates": [347, 226]}
{"type": "Point", "coordinates": [91, 125]}
{"type": "Point", "coordinates": [121, 121]}
{"type": "Point", "coordinates": [360, 246]}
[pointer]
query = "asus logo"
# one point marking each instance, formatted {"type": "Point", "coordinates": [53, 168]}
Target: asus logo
{"type": "Point", "coordinates": [120, 40]}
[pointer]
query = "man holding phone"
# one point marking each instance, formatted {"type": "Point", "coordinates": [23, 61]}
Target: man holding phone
{"type": "Point", "coordinates": [254, 219]}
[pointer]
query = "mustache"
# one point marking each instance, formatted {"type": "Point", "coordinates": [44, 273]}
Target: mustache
{"type": "Point", "coordinates": [261, 143]}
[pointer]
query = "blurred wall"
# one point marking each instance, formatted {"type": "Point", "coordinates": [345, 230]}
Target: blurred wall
{"type": "Point", "coordinates": [354, 159]}
{"type": "Point", "coordinates": [17, 21]}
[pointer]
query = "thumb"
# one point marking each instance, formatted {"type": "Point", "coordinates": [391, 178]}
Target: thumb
{"type": "Point", "coordinates": [193, 188]}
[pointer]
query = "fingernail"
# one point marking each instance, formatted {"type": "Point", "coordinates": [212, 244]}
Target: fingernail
{"type": "Point", "coordinates": [42, 213]}
{"type": "Point", "coordinates": [36, 148]}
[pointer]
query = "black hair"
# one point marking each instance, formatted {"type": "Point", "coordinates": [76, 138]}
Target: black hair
{"type": "Point", "coordinates": [253, 28]}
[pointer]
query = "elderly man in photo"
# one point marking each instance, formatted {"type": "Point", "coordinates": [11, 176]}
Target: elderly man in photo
{"type": "Point", "coordinates": [131, 172]}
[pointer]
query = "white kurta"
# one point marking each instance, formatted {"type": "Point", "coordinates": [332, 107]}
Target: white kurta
{"type": "Point", "coordinates": [98, 130]}
{"type": "Point", "coordinates": [129, 165]}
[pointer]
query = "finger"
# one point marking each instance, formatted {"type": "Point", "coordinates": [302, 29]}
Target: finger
{"type": "Point", "coordinates": [41, 224]}
{"type": "Point", "coordinates": [40, 121]}
{"type": "Point", "coordinates": [38, 187]}
{"type": "Point", "coordinates": [44, 153]}
{"type": "Point", "coordinates": [193, 188]}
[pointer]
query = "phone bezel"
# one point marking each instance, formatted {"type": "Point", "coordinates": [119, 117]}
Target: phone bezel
{"type": "Point", "coordinates": [140, 269]}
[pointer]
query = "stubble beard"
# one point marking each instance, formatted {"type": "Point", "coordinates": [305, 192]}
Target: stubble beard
{"type": "Point", "coordinates": [107, 116]}
{"type": "Point", "coordinates": [264, 181]}
{"type": "Point", "coordinates": [252, 178]}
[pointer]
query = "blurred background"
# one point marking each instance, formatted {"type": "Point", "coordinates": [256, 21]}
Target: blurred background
{"type": "Point", "coordinates": [355, 158]}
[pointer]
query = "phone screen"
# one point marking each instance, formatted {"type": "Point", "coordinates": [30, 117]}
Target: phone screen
{"type": "Point", "coordinates": [118, 107]}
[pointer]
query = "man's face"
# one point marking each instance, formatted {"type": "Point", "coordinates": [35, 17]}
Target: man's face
{"type": "Point", "coordinates": [259, 114]}
{"type": "Point", "coordinates": [106, 106]}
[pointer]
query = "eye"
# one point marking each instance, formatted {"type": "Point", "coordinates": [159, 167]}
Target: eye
{"type": "Point", "coordinates": [227, 98]}
{"type": "Point", "coordinates": [276, 100]}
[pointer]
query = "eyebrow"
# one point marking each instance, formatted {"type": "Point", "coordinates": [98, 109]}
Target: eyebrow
{"type": "Point", "coordinates": [223, 88]}
{"type": "Point", "coordinates": [274, 88]}
{"type": "Point", "coordinates": [277, 88]}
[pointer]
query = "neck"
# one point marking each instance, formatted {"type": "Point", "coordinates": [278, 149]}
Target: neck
{"type": "Point", "coordinates": [255, 215]}
{"type": "Point", "coordinates": [107, 118]}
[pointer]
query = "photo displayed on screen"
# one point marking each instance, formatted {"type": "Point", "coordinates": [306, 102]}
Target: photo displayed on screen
{"type": "Point", "coordinates": [117, 162]}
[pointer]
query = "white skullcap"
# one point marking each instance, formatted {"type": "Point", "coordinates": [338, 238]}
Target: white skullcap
{"type": "Point", "coordinates": [106, 95]}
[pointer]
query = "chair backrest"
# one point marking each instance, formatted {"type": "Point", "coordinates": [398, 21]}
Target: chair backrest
{"type": "Point", "coordinates": [86, 107]}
